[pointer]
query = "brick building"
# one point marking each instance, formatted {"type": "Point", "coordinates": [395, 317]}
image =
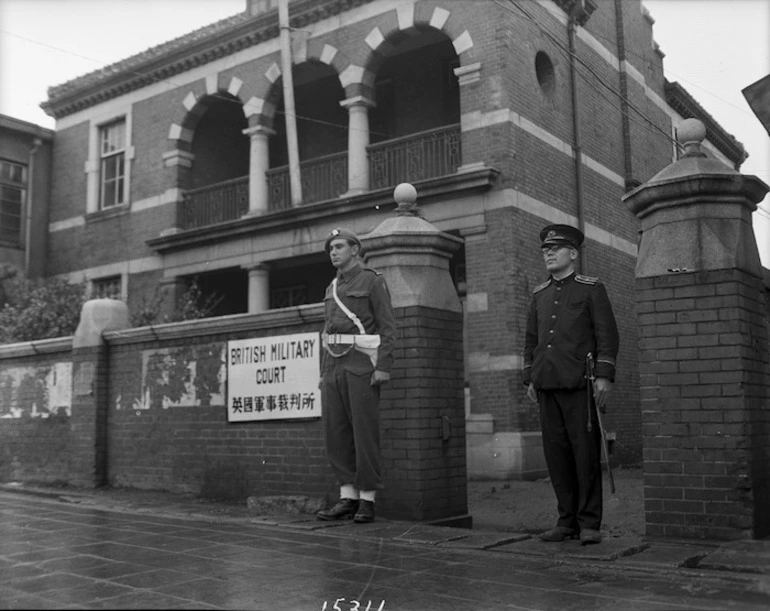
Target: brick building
{"type": "Point", "coordinates": [173, 165]}
{"type": "Point", "coordinates": [25, 181]}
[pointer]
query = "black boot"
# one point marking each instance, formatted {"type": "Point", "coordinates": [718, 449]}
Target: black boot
{"type": "Point", "coordinates": [365, 513]}
{"type": "Point", "coordinates": [343, 510]}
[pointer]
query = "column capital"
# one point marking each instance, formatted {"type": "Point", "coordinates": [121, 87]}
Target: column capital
{"type": "Point", "coordinates": [358, 100]}
{"type": "Point", "coordinates": [178, 157]}
{"type": "Point", "coordinates": [258, 130]}
{"type": "Point", "coordinates": [256, 267]}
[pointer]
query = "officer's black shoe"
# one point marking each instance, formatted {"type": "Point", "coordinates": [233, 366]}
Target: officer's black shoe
{"type": "Point", "coordinates": [365, 513]}
{"type": "Point", "coordinates": [559, 533]}
{"type": "Point", "coordinates": [343, 510]}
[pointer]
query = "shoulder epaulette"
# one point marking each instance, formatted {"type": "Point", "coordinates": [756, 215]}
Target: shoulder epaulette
{"type": "Point", "coordinates": [586, 279]}
{"type": "Point", "coordinates": [371, 269]}
{"type": "Point", "coordinates": [540, 287]}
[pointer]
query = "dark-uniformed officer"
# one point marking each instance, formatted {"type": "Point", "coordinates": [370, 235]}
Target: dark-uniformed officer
{"type": "Point", "coordinates": [350, 382]}
{"type": "Point", "coordinates": [570, 316]}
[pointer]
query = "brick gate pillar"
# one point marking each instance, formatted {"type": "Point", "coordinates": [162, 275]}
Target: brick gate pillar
{"type": "Point", "coordinates": [90, 389]}
{"type": "Point", "coordinates": [422, 410]}
{"type": "Point", "coordinates": [703, 350]}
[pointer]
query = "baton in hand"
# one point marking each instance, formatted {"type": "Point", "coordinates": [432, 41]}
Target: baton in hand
{"type": "Point", "coordinates": [591, 375]}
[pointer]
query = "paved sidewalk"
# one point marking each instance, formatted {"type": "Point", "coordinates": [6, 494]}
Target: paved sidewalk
{"type": "Point", "coordinates": [134, 549]}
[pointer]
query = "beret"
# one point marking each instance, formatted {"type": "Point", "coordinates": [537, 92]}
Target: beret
{"type": "Point", "coordinates": [341, 233]}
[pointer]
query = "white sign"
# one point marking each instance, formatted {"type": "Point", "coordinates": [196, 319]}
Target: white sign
{"type": "Point", "coordinates": [272, 378]}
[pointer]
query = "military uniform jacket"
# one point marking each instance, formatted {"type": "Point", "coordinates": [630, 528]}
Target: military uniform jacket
{"type": "Point", "coordinates": [363, 291]}
{"type": "Point", "coordinates": [567, 319]}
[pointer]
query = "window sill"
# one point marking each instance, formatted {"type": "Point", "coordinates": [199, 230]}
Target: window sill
{"type": "Point", "coordinates": [107, 213]}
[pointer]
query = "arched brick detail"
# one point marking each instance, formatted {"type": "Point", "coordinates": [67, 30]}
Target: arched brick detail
{"type": "Point", "coordinates": [423, 15]}
{"type": "Point", "coordinates": [194, 106]}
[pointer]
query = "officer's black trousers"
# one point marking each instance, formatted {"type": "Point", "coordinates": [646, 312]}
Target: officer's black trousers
{"type": "Point", "coordinates": [573, 457]}
{"type": "Point", "coordinates": [351, 419]}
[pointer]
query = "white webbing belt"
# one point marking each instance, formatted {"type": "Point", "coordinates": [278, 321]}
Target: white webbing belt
{"type": "Point", "coordinates": [365, 343]}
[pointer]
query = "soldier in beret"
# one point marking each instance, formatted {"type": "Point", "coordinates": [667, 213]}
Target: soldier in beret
{"type": "Point", "coordinates": [569, 317]}
{"type": "Point", "coordinates": [358, 314]}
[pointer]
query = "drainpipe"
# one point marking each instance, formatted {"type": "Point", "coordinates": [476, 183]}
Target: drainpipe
{"type": "Point", "coordinates": [36, 143]}
{"type": "Point", "coordinates": [577, 145]}
{"type": "Point", "coordinates": [288, 103]}
{"type": "Point", "coordinates": [621, 38]}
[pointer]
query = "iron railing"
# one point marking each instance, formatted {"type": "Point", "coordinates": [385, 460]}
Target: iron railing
{"type": "Point", "coordinates": [212, 204]}
{"type": "Point", "coordinates": [322, 178]}
{"type": "Point", "coordinates": [428, 154]}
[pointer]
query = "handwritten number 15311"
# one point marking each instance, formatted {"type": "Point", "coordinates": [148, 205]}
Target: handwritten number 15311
{"type": "Point", "coordinates": [351, 605]}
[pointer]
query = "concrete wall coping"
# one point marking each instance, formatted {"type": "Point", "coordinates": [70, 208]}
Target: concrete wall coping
{"type": "Point", "coordinates": [36, 347]}
{"type": "Point", "coordinates": [221, 325]}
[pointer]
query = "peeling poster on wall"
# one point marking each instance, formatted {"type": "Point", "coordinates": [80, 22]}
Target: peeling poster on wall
{"type": "Point", "coordinates": [188, 376]}
{"type": "Point", "coordinates": [36, 391]}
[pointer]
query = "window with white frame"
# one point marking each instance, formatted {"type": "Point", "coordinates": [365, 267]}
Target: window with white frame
{"type": "Point", "coordinates": [13, 189]}
{"type": "Point", "coordinates": [112, 169]}
{"type": "Point", "coordinates": [106, 288]}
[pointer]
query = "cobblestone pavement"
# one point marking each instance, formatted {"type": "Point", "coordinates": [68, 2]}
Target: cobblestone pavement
{"type": "Point", "coordinates": [125, 549]}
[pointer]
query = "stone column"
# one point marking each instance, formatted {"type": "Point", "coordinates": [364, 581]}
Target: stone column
{"type": "Point", "coordinates": [422, 409]}
{"type": "Point", "coordinates": [90, 399]}
{"type": "Point", "coordinates": [259, 163]}
{"type": "Point", "coordinates": [358, 140]}
{"type": "Point", "coordinates": [703, 350]}
{"type": "Point", "coordinates": [259, 288]}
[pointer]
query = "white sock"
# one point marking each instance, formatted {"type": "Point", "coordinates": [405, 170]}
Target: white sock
{"type": "Point", "coordinates": [368, 495]}
{"type": "Point", "coordinates": [347, 491]}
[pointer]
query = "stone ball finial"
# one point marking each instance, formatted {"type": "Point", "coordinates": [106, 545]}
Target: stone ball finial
{"type": "Point", "coordinates": [691, 133]}
{"type": "Point", "coordinates": [406, 197]}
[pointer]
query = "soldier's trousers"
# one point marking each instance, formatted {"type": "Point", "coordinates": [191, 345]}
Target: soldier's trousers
{"type": "Point", "coordinates": [351, 418]}
{"type": "Point", "coordinates": [573, 457]}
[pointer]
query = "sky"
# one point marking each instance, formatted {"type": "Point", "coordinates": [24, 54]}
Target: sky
{"type": "Point", "coordinates": [713, 48]}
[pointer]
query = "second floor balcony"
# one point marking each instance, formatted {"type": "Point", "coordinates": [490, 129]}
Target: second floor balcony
{"type": "Point", "coordinates": [429, 154]}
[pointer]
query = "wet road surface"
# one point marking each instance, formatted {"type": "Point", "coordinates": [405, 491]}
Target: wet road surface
{"type": "Point", "coordinates": [55, 555]}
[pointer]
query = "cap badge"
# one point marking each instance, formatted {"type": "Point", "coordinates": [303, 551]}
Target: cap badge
{"type": "Point", "coordinates": [551, 234]}
{"type": "Point", "coordinates": [335, 232]}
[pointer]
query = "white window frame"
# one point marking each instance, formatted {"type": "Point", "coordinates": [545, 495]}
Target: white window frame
{"type": "Point", "coordinates": [93, 166]}
{"type": "Point", "coordinates": [94, 282]}
{"type": "Point", "coordinates": [112, 156]}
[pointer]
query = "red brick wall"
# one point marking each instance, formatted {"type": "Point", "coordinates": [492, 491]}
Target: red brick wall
{"type": "Point", "coordinates": [119, 435]}
{"type": "Point", "coordinates": [704, 387]}
{"type": "Point", "coordinates": [36, 438]}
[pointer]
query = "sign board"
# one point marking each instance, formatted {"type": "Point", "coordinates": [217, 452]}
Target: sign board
{"type": "Point", "coordinates": [273, 378]}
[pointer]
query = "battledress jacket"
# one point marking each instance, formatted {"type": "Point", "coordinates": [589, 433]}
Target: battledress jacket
{"type": "Point", "coordinates": [364, 292]}
{"type": "Point", "coordinates": [567, 319]}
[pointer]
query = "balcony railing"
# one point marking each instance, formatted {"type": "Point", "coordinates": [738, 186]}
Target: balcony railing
{"type": "Point", "coordinates": [322, 178]}
{"type": "Point", "coordinates": [223, 201]}
{"type": "Point", "coordinates": [427, 154]}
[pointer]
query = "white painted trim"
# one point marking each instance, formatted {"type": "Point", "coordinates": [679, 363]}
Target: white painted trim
{"type": "Point", "coordinates": [273, 73]}
{"type": "Point", "coordinates": [478, 120]}
{"type": "Point", "coordinates": [462, 43]}
{"type": "Point", "coordinates": [328, 54]}
{"type": "Point", "coordinates": [374, 38]}
{"type": "Point", "coordinates": [511, 198]}
{"type": "Point", "coordinates": [167, 197]}
{"type": "Point", "coordinates": [235, 86]}
{"type": "Point", "coordinates": [70, 223]}
{"type": "Point", "coordinates": [439, 18]}
{"type": "Point", "coordinates": [483, 361]}
{"type": "Point", "coordinates": [405, 15]}
{"type": "Point", "coordinates": [136, 266]}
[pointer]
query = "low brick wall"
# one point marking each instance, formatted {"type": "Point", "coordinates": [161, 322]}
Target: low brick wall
{"type": "Point", "coordinates": [147, 409]}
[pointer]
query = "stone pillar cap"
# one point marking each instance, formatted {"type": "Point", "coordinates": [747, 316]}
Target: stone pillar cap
{"type": "Point", "coordinates": [691, 134]}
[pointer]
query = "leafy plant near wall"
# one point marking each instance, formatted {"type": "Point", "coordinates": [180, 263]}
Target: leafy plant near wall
{"type": "Point", "coordinates": [39, 310]}
{"type": "Point", "coordinates": [32, 310]}
{"type": "Point", "coordinates": [192, 305]}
